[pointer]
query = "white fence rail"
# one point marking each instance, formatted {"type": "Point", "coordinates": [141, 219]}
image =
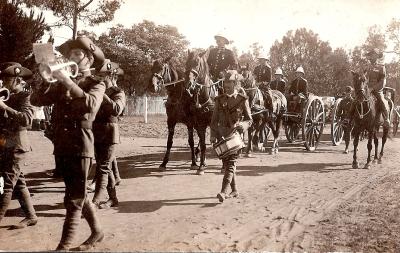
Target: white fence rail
{"type": "Point", "coordinates": [143, 106]}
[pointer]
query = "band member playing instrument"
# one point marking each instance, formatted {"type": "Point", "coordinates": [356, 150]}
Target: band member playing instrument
{"type": "Point", "coordinates": [106, 135]}
{"type": "Point", "coordinates": [77, 102]}
{"type": "Point", "coordinates": [16, 114]}
{"type": "Point", "coordinates": [230, 107]}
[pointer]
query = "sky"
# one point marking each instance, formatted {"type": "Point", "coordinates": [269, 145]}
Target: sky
{"type": "Point", "coordinates": [344, 23]}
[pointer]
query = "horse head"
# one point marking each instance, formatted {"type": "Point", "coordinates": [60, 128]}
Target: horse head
{"type": "Point", "coordinates": [359, 82]}
{"type": "Point", "coordinates": [161, 73]}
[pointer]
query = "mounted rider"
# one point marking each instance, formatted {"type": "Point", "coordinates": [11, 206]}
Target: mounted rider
{"type": "Point", "coordinates": [279, 83]}
{"type": "Point", "coordinates": [220, 58]}
{"type": "Point", "coordinates": [298, 90]}
{"type": "Point", "coordinates": [262, 72]}
{"type": "Point", "coordinates": [376, 75]}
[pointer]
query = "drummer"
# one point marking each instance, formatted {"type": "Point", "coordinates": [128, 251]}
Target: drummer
{"type": "Point", "coordinates": [230, 108]}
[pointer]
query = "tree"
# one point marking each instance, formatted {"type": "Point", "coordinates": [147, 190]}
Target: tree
{"type": "Point", "coordinates": [137, 47]}
{"type": "Point", "coordinates": [304, 48]}
{"type": "Point", "coordinates": [393, 31]}
{"type": "Point", "coordinates": [18, 31]}
{"type": "Point", "coordinates": [376, 39]}
{"type": "Point", "coordinates": [70, 12]}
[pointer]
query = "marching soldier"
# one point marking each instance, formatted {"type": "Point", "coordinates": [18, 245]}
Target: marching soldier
{"type": "Point", "coordinates": [262, 72]}
{"type": "Point", "coordinates": [16, 116]}
{"type": "Point", "coordinates": [230, 107]}
{"type": "Point", "coordinates": [376, 75]}
{"type": "Point", "coordinates": [298, 87]}
{"type": "Point", "coordinates": [106, 135]}
{"type": "Point", "coordinates": [77, 103]}
{"type": "Point", "coordinates": [279, 83]}
{"type": "Point", "coordinates": [220, 58]}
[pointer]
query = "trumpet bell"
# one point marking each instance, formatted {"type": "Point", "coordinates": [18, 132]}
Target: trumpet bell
{"type": "Point", "coordinates": [4, 94]}
{"type": "Point", "coordinates": [46, 70]}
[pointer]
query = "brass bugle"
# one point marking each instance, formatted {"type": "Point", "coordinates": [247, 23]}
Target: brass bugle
{"type": "Point", "coordinates": [4, 94]}
{"type": "Point", "coordinates": [46, 70]}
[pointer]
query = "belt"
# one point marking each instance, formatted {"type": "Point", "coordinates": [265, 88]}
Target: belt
{"type": "Point", "coordinates": [87, 124]}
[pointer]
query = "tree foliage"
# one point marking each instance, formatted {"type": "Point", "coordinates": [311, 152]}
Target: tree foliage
{"type": "Point", "coordinates": [18, 31]}
{"type": "Point", "coordinates": [91, 12]}
{"type": "Point", "coordinates": [137, 47]}
{"type": "Point", "coordinates": [326, 70]}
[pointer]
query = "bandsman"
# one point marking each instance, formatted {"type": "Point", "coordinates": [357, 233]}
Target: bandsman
{"type": "Point", "coordinates": [77, 102]}
{"type": "Point", "coordinates": [231, 113]}
{"type": "Point", "coordinates": [16, 115]}
{"type": "Point", "coordinates": [106, 135]}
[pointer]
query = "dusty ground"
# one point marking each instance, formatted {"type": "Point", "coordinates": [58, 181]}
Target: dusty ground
{"type": "Point", "coordinates": [293, 201]}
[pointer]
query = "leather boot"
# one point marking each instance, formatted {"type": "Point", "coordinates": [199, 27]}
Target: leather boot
{"type": "Point", "coordinates": [25, 201]}
{"type": "Point", "coordinates": [234, 193]}
{"type": "Point", "coordinates": [112, 201]}
{"type": "Point", "coordinates": [97, 234]}
{"type": "Point", "coordinates": [115, 170]}
{"type": "Point", "coordinates": [101, 184]}
{"type": "Point", "coordinates": [69, 230]}
{"type": "Point", "coordinates": [5, 200]}
{"type": "Point", "coordinates": [224, 189]}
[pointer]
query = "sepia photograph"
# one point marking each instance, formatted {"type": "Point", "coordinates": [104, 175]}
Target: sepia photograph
{"type": "Point", "coordinates": [200, 126]}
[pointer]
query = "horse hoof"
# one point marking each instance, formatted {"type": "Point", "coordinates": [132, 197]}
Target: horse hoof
{"type": "Point", "coordinates": [162, 168]}
{"type": "Point", "coordinates": [375, 161]}
{"type": "Point", "coordinates": [346, 151]}
{"type": "Point", "coordinates": [194, 167]}
{"type": "Point", "coordinates": [379, 161]}
{"type": "Point", "coordinates": [367, 166]}
{"type": "Point", "coordinates": [355, 166]}
{"type": "Point", "coordinates": [248, 155]}
{"type": "Point", "coordinates": [200, 172]}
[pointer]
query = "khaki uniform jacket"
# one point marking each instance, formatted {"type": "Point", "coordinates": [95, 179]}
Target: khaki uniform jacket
{"type": "Point", "coordinates": [227, 113]}
{"type": "Point", "coordinates": [220, 60]}
{"type": "Point", "coordinates": [376, 75]}
{"type": "Point", "coordinates": [74, 116]}
{"type": "Point", "coordinates": [278, 85]}
{"type": "Point", "coordinates": [105, 126]}
{"type": "Point", "coordinates": [263, 73]}
{"type": "Point", "coordinates": [298, 85]}
{"type": "Point", "coordinates": [13, 125]}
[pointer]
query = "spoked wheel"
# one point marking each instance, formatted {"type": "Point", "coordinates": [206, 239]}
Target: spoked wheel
{"type": "Point", "coordinates": [292, 130]}
{"type": "Point", "coordinates": [313, 122]}
{"type": "Point", "coordinates": [395, 122]}
{"type": "Point", "coordinates": [337, 127]}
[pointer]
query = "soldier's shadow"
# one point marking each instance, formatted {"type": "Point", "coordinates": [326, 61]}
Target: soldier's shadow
{"type": "Point", "coordinates": [154, 205]}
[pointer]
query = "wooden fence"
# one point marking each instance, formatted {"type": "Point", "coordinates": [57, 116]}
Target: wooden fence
{"type": "Point", "coordinates": [143, 106]}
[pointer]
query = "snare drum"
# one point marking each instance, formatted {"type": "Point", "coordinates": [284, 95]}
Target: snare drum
{"type": "Point", "coordinates": [229, 145]}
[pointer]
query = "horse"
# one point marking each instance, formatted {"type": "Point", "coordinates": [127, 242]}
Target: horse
{"type": "Point", "coordinates": [267, 110]}
{"type": "Point", "coordinates": [202, 103]}
{"type": "Point", "coordinates": [165, 76]}
{"type": "Point", "coordinates": [366, 118]}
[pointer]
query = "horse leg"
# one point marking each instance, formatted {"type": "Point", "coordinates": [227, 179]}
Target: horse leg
{"type": "Point", "coordinates": [278, 125]}
{"type": "Point", "coordinates": [369, 147]}
{"type": "Point", "coordinates": [384, 138]}
{"type": "Point", "coordinates": [197, 152]}
{"type": "Point", "coordinates": [249, 142]}
{"type": "Point", "coordinates": [193, 166]}
{"type": "Point", "coordinates": [376, 144]}
{"type": "Point", "coordinates": [355, 143]}
{"type": "Point", "coordinates": [171, 130]}
{"type": "Point", "coordinates": [202, 136]}
{"type": "Point", "coordinates": [347, 133]}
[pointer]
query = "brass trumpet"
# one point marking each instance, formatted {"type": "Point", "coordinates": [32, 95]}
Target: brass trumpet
{"type": "Point", "coordinates": [46, 70]}
{"type": "Point", "coordinates": [4, 94]}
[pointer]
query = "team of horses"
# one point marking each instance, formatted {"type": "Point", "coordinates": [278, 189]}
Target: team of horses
{"type": "Point", "coordinates": [194, 108]}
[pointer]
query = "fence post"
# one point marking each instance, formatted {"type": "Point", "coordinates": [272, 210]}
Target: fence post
{"type": "Point", "coordinates": [145, 108]}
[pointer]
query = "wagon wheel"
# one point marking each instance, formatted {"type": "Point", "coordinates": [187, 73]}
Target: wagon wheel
{"type": "Point", "coordinates": [337, 127]}
{"type": "Point", "coordinates": [395, 123]}
{"type": "Point", "coordinates": [292, 130]}
{"type": "Point", "coordinates": [313, 122]}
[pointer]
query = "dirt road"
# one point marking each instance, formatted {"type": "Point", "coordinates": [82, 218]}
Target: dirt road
{"type": "Point", "coordinates": [283, 199]}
